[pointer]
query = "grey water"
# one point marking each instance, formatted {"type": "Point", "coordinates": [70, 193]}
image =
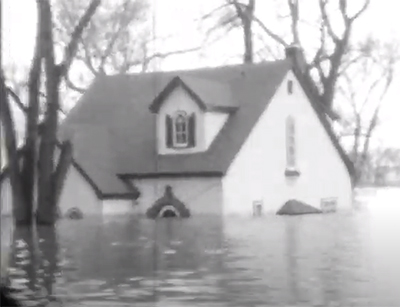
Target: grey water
{"type": "Point", "coordinates": [343, 259]}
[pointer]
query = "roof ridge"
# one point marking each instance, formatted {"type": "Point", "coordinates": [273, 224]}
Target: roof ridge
{"type": "Point", "coordinates": [199, 69]}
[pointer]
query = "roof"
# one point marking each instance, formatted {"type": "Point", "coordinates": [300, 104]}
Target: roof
{"type": "Point", "coordinates": [210, 95]}
{"type": "Point", "coordinates": [121, 187]}
{"type": "Point", "coordinates": [113, 130]}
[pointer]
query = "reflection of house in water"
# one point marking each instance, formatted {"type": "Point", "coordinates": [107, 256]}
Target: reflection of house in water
{"type": "Point", "coordinates": [291, 243]}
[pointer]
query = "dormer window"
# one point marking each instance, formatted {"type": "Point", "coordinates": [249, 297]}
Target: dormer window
{"type": "Point", "coordinates": [180, 130]}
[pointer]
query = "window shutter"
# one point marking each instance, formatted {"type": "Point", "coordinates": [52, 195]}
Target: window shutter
{"type": "Point", "coordinates": [168, 131]}
{"type": "Point", "coordinates": [192, 131]}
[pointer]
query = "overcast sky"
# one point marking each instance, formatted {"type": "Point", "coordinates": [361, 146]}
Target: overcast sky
{"type": "Point", "coordinates": [176, 16]}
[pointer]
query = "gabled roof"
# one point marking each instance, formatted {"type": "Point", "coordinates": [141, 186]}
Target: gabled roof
{"type": "Point", "coordinates": [210, 95]}
{"type": "Point", "coordinates": [113, 130]}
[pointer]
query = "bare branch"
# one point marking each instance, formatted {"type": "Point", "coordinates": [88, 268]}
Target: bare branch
{"type": "Point", "coordinates": [71, 48]}
{"type": "Point", "coordinates": [270, 33]}
{"type": "Point", "coordinates": [17, 100]}
{"type": "Point", "coordinates": [294, 13]}
{"type": "Point", "coordinates": [214, 11]}
{"type": "Point", "coordinates": [87, 59]}
{"type": "Point", "coordinates": [158, 55]}
{"type": "Point", "coordinates": [326, 20]}
{"type": "Point", "coordinates": [72, 86]}
{"type": "Point", "coordinates": [362, 10]}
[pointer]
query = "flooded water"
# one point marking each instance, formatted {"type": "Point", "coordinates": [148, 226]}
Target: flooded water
{"type": "Point", "coordinates": [343, 259]}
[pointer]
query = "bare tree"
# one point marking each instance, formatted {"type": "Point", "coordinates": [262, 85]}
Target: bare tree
{"type": "Point", "coordinates": [326, 63]}
{"type": "Point", "coordinates": [35, 161]}
{"type": "Point", "coordinates": [119, 39]}
{"type": "Point", "coordinates": [364, 87]}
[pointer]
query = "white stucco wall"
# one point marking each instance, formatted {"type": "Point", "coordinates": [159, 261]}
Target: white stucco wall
{"type": "Point", "coordinates": [257, 173]}
{"type": "Point", "coordinates": [118, 207]}
{"type": "Point", "coordinates": [79, 193]}
{"type": "Point", "coordinates": [200, 195]}
{"type": "Point", "coordinates": [213, 123]}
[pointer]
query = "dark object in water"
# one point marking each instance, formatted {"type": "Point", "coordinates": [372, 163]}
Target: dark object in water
{"type": "Point", "coordinates": [170, 213]}
{"type": "Point", "coordinates": [295, 207]}
{"type": "Point", "coordinates": [74, 214]}
{"type": "Point", "coordinates": [168, 206]}
{"type": "Point", "coordinates": [6, 299]}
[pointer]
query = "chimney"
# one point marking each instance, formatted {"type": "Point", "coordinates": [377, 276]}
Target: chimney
{"type": "Point", "coordinates": [295, 54]}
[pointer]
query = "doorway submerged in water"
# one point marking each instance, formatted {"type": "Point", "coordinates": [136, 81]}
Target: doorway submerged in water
{"type": "Point", "coordinates": [168, 206]}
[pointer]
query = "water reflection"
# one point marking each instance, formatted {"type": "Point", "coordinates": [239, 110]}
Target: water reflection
{"type": "Point", "coordinates": [324, 260]}
{"type": "Point", "coordinates": [291, 230]}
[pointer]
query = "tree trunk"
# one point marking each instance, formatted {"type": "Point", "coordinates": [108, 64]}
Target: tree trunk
{"type": "Point", "coordinates": [46, 213]}
{"type": "Point", "coordinates": [28, 171]}
{"type": "Point", "coordinates": [246, 14]}
{"type": "Point", "coordinates": [21, 212]}
{"type": "Point", "coordinates": [248, 41]}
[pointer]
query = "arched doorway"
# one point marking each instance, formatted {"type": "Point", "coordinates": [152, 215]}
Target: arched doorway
{"type": "Point", "coordinates": [168, 206]}
{"type": "Point", "coordinates": [168, 212]}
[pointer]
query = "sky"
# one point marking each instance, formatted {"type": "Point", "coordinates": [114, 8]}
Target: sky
{"type": "Point", "coordinates": [176, 17]}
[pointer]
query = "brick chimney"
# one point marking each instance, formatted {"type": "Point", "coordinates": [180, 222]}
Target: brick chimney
{"type": "Point", "coordinates": [295, 54]}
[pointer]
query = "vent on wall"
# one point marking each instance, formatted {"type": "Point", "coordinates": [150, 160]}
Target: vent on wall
{"type": "Point", "coordinates": [257, 208]}
{"type": "Point", "coordinates": [329, 204]}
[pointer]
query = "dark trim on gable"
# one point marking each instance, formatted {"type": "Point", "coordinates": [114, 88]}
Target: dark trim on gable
{"type": "Point", "coordinates": [176, 82]}
{"type": "Point", "coordinates": [88, 179]}
{"type": "Point", "coordinates": [321, 113]}
{"type": "Point", "coordinates": [171, 175]}
{"type": "Point", "coordinates": [171, 86]}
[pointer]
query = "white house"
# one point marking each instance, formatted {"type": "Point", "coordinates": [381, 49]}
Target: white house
{"type": "Point", "coordinates": [227, 140]}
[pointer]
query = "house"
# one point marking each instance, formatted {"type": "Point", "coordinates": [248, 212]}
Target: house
{"type": "Point", "coordinates": [79, 187]}
{"type": "Point", "coordinates": [238, 140]}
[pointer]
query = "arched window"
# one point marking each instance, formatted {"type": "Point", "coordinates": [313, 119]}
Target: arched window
{"type": "Point", "coordinates": [290, 142]}
{"type": "Point", "coordinates": [181, 129]}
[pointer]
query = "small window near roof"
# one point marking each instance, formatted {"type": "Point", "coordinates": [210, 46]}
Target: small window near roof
{"type": "Point", "coordinates": [290, 87]}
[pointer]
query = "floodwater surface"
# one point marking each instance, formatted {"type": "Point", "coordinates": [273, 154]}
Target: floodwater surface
{"type": "Point", "coordinates": [343, 259]}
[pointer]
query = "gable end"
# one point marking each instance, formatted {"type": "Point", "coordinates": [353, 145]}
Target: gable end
{"type": "Point", "coordinates": [171, 86]}
{"type": "Point", "coordinates": [321, 114]}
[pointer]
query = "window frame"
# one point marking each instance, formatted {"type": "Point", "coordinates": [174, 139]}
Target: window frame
{"type": "Point", "coordinates": [184, 132]}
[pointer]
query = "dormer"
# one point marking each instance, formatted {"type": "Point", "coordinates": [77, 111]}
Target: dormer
{"type": "Point", "coordinates": [190, 113]}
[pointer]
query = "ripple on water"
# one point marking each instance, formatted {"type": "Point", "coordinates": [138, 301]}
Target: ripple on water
{"type": "Point", "coordinates": [327, 260]}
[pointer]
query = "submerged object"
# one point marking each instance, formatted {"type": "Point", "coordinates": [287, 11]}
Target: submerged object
{"type": "Point", "coordinates": [296, 207]}
{"type": "Point", "coordinates": [74, 214]}
{"type": "Point", "coordinates": [168, 206]}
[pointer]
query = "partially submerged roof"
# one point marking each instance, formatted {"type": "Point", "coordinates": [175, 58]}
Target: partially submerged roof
{"type": "Point", "coordinates": [113, 130]}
